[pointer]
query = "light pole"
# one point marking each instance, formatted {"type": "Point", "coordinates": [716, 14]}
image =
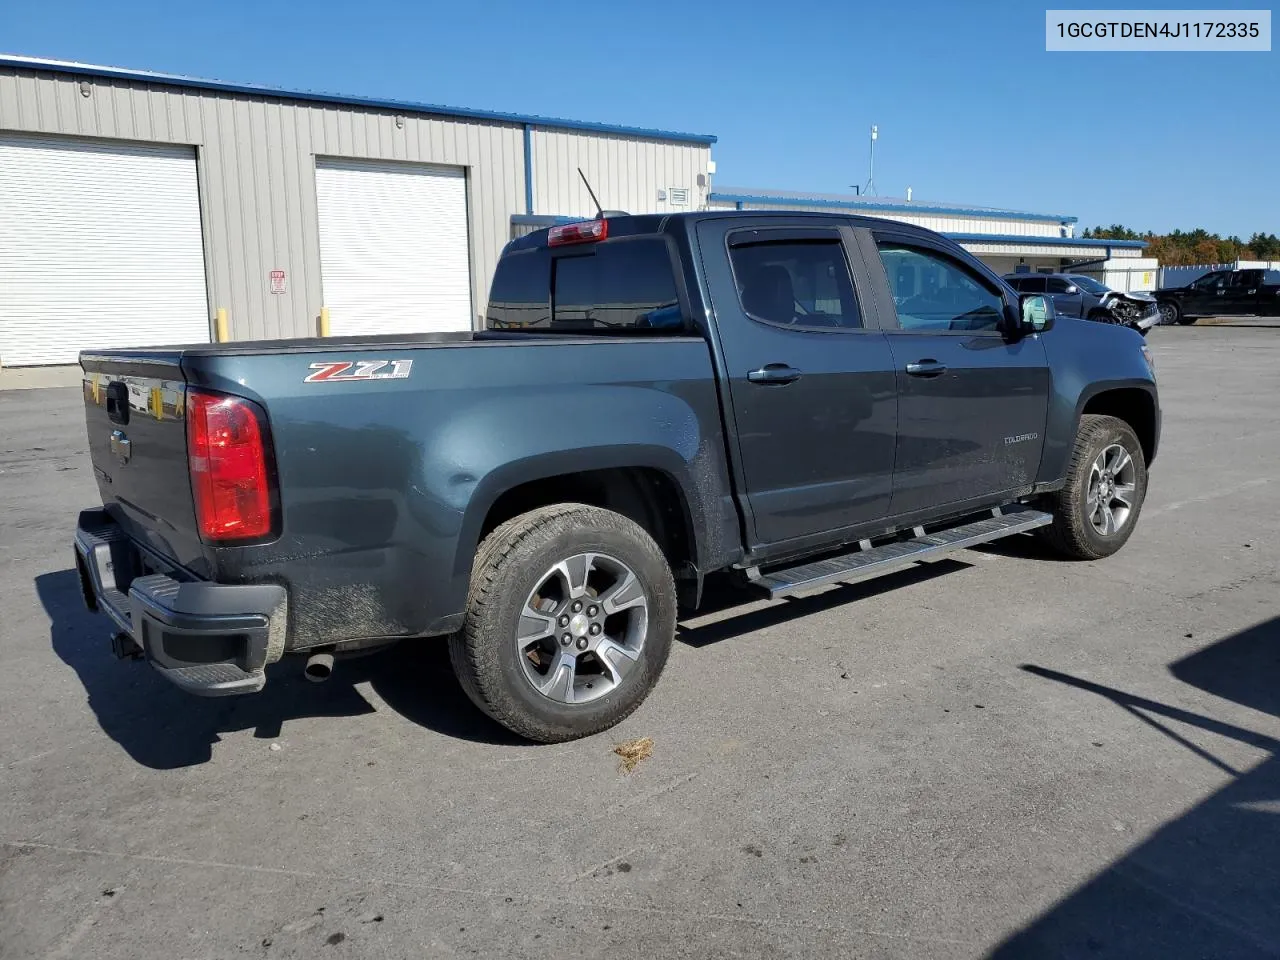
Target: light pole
{"type": "Point", "coordinates": [871, 172]}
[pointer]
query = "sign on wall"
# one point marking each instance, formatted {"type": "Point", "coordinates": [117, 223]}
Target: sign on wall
{"type": "Point", "coordinates": [277, 281]}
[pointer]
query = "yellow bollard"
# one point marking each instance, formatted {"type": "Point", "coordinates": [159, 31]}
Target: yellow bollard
{"type": "Point", "coordinates": [220, 326]}
{"type": "Point", "coordinates": [323, 325]}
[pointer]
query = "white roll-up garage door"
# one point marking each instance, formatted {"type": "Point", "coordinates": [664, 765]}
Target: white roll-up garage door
{"type": "Point", "coordinates": [100, 246]}
{"type": "Point", "coordinates": [393, 247]}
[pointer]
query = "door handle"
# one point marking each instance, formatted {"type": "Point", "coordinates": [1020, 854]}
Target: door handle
{"type": "Point", "coordinates": [778, 373]}
{"type": "Point", "coordinates": [926, 368]}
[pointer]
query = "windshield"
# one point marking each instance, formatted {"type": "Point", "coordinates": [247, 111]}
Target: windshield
{"type": "Point", "coordinates": [1088, 284]}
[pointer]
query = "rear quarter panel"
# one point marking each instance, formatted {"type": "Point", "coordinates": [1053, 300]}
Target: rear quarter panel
{"type": "Point", "coordinates": [384, 484]}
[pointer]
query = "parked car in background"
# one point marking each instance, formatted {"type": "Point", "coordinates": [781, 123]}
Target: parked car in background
{"type": "Point", "coordinates": [1075, 295]}
{"type": "Point", "coordinates": [1222, 293]}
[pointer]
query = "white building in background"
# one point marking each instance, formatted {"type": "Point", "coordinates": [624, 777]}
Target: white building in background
{"type": "Point", "coordinates": [134, 205]}
{"type": "Point", "coordinates": [1009, 241]}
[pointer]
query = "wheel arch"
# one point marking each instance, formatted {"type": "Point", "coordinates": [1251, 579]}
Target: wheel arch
{"type": "Point", "coordinates": [650, 485]}
{"type": "Point", "coordinates": [1134, 404]}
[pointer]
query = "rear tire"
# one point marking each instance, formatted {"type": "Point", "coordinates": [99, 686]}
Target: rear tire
{"type": "Point", "coordinates": [569, 622]}
{"type": "Point", "coordinates": [1095, 512]}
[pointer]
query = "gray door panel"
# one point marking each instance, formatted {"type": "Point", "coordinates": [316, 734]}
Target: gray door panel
{"type": "Point", "coordinates": [971, 404]}
{"type": "Point", "coordinates": [974, 430]}
{"type": "Point", "coordinates": [814, 444]}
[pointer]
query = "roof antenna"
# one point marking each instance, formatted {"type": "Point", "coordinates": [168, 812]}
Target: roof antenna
{"type": "Point", "coordinates": [599, 209]}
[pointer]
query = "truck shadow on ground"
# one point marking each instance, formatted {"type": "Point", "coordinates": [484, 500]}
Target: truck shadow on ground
{"type": "Point", "coordinates": [163, 728]}
{"type": "Point", "coordinates": [724, 594]}
{"type": "Point", "coordinates": [1205, 884]}
{"type": "Point", "coordinates": [1022, 546]}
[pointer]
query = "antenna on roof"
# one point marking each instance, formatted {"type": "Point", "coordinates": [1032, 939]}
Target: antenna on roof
{"type": "Point", "coordinates": [599, 209]}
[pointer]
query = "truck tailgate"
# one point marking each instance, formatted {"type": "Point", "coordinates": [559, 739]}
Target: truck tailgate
{"type": "Point", "coordinates": [135, 405]}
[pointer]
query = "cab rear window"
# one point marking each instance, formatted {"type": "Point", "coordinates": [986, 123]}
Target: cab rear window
{"type": "Point", "coordinates": [620, 287]}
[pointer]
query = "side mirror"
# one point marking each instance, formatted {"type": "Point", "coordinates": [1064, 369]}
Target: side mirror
{"type": "Point", "coordinates": [1073, 289]}
{"type": "Point", "coordinates": [1035, 313]}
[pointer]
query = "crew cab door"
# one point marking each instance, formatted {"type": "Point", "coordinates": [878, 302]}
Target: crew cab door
{"type": "Point", "coordinates": [971, 404]}
{"type": "Point", "coordinates": [1207, 295]}
{"type": "Point", "coordinates": [1242, 292]}
{"type": "Point", "coordinates": [808, 386]}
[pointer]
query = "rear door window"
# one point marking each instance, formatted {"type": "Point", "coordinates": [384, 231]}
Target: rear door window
{"type": "Point", "coordinates": [1030, 285]}
{"type": "Point", "coordinates": [797, 283]}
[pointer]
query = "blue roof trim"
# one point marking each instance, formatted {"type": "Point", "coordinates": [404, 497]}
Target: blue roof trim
{"type": "Point", "coordinates": [870, 204]}
{"type": "Point", "coordinates": [1043, 241]}
{"type": "Point", "coordinates": [261, 90]}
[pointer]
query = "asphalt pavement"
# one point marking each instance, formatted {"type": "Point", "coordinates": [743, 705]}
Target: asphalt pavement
{"type": "Point", "coordinates": [998, 754]}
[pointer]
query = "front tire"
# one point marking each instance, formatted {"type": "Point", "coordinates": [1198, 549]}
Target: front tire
{"type": "Point", "coordinates": [569, 622]}
{"type": "Point", "coordinates": [1171, 313]}
{"type": "Point", "coordinates": [1095, 512]}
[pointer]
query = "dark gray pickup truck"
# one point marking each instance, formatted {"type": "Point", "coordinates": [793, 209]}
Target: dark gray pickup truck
{"type": "Point", "coordinates": [797, 399]}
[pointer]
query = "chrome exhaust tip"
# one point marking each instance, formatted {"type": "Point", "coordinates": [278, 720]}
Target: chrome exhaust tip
{"type": "Point", "coordinates": [319, 667]}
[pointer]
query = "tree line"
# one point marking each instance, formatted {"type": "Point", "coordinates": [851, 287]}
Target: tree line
{"type": "Point", "coordinates": [1185, 248]}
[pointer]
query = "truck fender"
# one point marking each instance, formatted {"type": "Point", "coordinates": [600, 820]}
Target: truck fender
{"type": "Point", "coordinates": [498, 445]}
{"type": "Point", "coordinates": [1054, 464]}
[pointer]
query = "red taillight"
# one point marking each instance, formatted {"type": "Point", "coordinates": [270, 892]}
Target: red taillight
{"type": "Point", "coordinates": [588, 231]}
{"type": "Point", "coordinates": [227, 455]}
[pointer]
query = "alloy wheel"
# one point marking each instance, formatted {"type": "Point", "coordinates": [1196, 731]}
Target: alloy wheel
{"type": "Point", "coordinates": [582, 628]}
{"type": "Point", "coordinates": [1112, 490]}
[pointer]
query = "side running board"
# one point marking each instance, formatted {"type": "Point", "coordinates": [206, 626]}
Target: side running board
{"type": "Point", "coordinates": [863, 564]}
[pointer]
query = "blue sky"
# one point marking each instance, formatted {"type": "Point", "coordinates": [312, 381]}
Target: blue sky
{"type": "Point", "coordinates": [971, 109]}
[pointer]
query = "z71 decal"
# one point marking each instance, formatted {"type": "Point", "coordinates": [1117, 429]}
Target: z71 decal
{"type": "Point", "coordinates": [359, 370]}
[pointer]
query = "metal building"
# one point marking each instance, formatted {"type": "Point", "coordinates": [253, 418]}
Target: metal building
{"type": "Point", "coordinates": [1008, 241]}
{"type": "Point", "coordinates": [134, 206]}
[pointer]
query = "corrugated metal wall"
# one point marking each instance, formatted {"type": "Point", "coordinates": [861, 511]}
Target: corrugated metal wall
{"type": "Point", "coordinates": [626, 174]}
{"type": "Point", "coordinates": [256, 166]}
{"type": "Point", "coordinates": [942, 224]}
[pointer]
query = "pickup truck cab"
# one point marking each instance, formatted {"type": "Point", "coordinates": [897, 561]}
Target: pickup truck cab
{"type": "Point", "coordinates": [799, 399]}
{"type": "Point", "coordinates": [1223, 293]}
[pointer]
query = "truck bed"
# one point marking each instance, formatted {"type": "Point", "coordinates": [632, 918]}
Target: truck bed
{"type": "Point", "coordinates": [384, 484]}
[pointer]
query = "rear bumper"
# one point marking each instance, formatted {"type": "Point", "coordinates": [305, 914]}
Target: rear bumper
{"type": "Point", "coordinates": [210, 639]}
